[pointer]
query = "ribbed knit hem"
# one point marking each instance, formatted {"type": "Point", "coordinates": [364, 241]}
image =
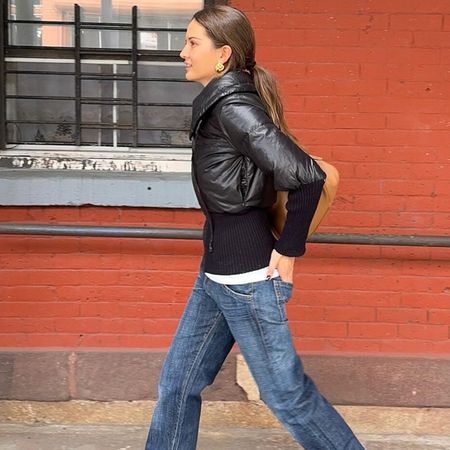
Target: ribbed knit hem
{"type": "Point", "coordinates": [241, 242]}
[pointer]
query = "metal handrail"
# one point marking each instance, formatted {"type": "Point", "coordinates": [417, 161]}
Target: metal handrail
{"type": "Point", "coordinates": [194, 233]}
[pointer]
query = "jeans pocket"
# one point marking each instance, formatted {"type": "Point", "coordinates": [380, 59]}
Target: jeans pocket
{"type": "Point", "coordinates": [242, 291]}
{"type": "Point", "coordinates": [283, 289]}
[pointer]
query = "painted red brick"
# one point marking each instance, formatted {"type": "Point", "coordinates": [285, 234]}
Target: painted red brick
{"type": "Point", "coordinates": [419, 331]}
{"type": "Point", "coordinates": [439, 317]}
{"type": "Point", "coordinates": [366, 85]}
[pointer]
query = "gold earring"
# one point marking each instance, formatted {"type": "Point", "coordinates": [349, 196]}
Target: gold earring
{"type": "Point", "coordinates": [219, 67]}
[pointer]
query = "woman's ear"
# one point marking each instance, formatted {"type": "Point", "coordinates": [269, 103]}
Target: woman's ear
{"type": "Point", "coordinates": [225, 54]}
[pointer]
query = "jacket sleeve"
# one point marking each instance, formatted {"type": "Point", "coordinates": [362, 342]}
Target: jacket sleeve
{"type": "Point", "coordinates": [252, 132]}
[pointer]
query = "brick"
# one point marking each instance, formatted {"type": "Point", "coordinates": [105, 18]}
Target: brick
{"type": "Point", "coordinates": [360, 120]}
{"type": "Point", "coordinates": [356, 153]}
{"type": "Point", "coordinates": [15, 340]}
{"type": "Point", "coordinates": [387, 170]}
{"type": "Point", "coordinates": [334, 37]}
{"type": "Point", "coordinates": [321, 137]}
{"type": "Point", "coordinates": [415, 253]}
{"type": "Point", "coordinates": [385, 38]}
{"type": "Point", "coordinates": [309, 344]}
{"type": "Point", "coordinates": [445, 57]}
{"type": "Point", "coordinates": [378, 6]}
{"type": "Point", "coordinates": [333, 71]}
{"type": "Point", "coordinates": [354, 219]}
{"type": "Point", "coordinates": [401, 315]}
{"type": "Point", "coordinates": [309, 87]}
{"type": "Point", "coordinates": [399, 6]}
{"type": "Point", "coordinates": [400, 105]}
{"type": "Point", "coordinates": [377, 298]}
{"type": "Point", "coordinates": [358, 282]}
{"type": "Point", "coordinates": [25, 309]}
{"type": "Point", "coordinates": [425, 300]}
{"type": "Point", "coordinates": [143, 341]}
{"type": "Point", "coordinates": [424, 284]}
{"type": "Point", "coordinates": [418, 121]}
{"type": "Point", "coordinates": [153, 310]}
{"type": "Point", "coordinates": [405, 187]}
{"type": "Point", "coordinates": [446, 23]}
{"type": "Point", "coordinates": [421, 203]}
{"type": "Point", "coordinates": [160, 326]}
{"type": "Point", "coordinates": [349, 314]}
{"type": "Point", "coordinates": [48, 244]}
{"type": "Point", "coordinates": [418, 89]}
{"type": "Point", "coordinates": [407, 219]}
{"type": "Point", "coordinates": [375, 203]}
{"type": "Point", "coordinates": [330, 104]}
{"type": "Point", "coordinates": [77, 325]}
{"type": "Point", "coordinates": [428, 22]}
{"type": "Point", "coordinates": [437, 39]}
{"type": "Point", "coordinates": [316, 298]}
{"type": "Point", "coordinates": [319, 329]}
{"type": "Point", "coordinates": [408, 346]}
{"type": "Point", "coordinates": [406, 71]}
{"type": "Point", "coordinates": [362, 186]}
{"type": "Point", "coordinates": [264, 18]}
{"type": "Point", "coordinates": [399, 55]}
{"type": "Point", "coordinates": [441, 220]}
{"type": "Point", "coordinates": [361, 54]}
{"type": "Point", "coordinates": [310, 120]}
{"type": "Point", "coordinates": [99, 340]}
{"type": "Point", "coordinates": [402, 137]}
{"type": "Point", "coordinates": [426, 332]}
{"type": "Point", "coordinates": [26, 325]}
{"type": "Point", "coordinates": [360, 87]}
{"type": "Point", "coordinates": [52, 340]}
{"type": "Point", "coordinates": [441, 317]}
{"type": "Point", "coordinates": [372, 330]}
{"type": "Point", "coordinates": [22, 293]}
{"type": "Point", "coordinates": [353, 345]}
{"type": "Point", "coordinates": [425, 268]}
{"type": "Point", "coordinates": [287, 70]}
{"type": "Point", "coordinates": [346, 170]}
{"type": "Point", "coordinates": [285, 54]}
{"type": "Point", "coordinates": [263, 38]}
{"type": "Point", "coordinates": [417, 154]}
{"type": "Point", "coordinates": [99, 309]}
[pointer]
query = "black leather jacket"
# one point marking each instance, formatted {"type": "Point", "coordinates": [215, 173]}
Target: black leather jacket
{"type": "Point", "coordinates": [240, 158]}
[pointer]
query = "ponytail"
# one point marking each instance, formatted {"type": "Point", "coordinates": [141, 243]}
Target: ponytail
{"type": "Point", "coordinates": [267, 88]}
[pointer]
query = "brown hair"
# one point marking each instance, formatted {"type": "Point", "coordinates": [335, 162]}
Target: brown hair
{"type": "Point", "coordinates": [229, 26]}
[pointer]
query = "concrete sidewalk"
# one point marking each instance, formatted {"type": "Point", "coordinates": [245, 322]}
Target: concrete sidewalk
{"type": "Point", "coordinates": [126, 437]}
{"type": "Point", "coordinates": [89, 425]}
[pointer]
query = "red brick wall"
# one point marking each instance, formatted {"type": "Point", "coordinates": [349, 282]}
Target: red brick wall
{"type": "Point", "coordinates": [366, 85]}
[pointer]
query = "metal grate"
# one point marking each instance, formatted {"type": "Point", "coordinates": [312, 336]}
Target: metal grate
{"type": "Point", "coordinates": [136, 132]}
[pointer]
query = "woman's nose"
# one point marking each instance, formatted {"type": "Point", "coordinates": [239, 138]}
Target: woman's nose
{"type": "Point", "coordinates": [183, 52]}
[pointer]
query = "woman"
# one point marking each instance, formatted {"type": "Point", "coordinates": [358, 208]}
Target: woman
{"type": "Point", "coordinates": [242, 154]}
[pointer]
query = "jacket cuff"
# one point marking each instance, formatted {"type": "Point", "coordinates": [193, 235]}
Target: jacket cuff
{"type": "Point", "coordinates": [301, 206]}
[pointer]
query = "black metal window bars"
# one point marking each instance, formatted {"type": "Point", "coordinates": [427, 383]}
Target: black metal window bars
{"type": "Point", "coordinates": [77, 53]}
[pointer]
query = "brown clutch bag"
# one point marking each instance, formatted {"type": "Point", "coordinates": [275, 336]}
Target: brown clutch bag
{"type": "Point", "coordinates": [278, 210]}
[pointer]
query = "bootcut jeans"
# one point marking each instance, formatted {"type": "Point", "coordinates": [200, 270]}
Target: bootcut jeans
{"type": "Point", "coordinates": [254, 316]}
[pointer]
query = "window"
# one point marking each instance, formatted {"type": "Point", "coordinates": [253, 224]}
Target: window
{"type": "Point", "coordinates": [96, 74]}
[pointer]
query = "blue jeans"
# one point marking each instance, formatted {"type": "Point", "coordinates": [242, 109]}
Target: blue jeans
{"type": "Point", "coordinates": [254, 315]}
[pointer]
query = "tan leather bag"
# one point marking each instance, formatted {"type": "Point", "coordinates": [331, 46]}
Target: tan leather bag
{"type": "Point", "coordinates": [278, 210]}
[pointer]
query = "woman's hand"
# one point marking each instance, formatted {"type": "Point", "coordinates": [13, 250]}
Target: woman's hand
{"type": "Point", "coordinates": [284, 265]}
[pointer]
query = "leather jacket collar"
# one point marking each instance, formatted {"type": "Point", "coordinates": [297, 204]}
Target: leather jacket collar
{"type": "Point", "coordinates": [216, 89]}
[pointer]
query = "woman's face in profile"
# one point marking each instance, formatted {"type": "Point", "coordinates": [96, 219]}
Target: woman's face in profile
{"type": "Point", "coordinates": [199, 54]}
